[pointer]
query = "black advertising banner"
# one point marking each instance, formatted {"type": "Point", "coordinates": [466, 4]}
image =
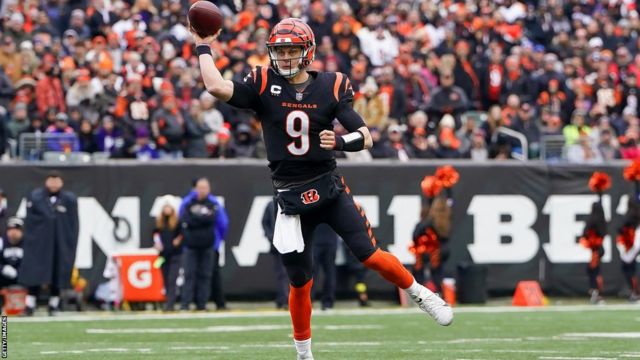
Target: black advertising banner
{"type": "Point", "coordinates": [520, 220]}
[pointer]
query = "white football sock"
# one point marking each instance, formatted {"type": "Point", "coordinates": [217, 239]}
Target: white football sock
{"type": "Point", "coordinates": [30, 301]}
{"type": "Point", "coordinates": [303, 346]}
{"type": "Point", "coordinates": [414, 289]}
{"type": "Point", "coordinates": [54, 301]}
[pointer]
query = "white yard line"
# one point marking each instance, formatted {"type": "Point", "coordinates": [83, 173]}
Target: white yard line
{"type": "Point", "coordinates": [607, 335]}
{"type": "Point", "coordinates": [573, 358]}
{"type": "Point", "coordinates": [104, 350]}
{"type": "Point", "coordinates": [207, 329]}
{"type": "Point", "coordinates": [223, 329]}
{"type": "Point", "coordinates": [70, 317]}
{"type": "Point", "coordinates": [199, 348]}
{"type": "Point", "coordinates": [515, 351]}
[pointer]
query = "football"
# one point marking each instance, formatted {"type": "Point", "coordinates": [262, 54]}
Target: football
{"type": "Point", "coordinates": [205, 18]}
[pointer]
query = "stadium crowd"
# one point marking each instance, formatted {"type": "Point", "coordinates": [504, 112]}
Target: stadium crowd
{"type": "Point", "coordinates": [123, 75]}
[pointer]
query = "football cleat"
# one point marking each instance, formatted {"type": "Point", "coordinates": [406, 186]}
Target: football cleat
{"type": "Point", "coordinates": [433, 305]}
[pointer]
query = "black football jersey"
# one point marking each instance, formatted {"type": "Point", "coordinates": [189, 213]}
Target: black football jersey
{"type": "Point", "coordinates": [292, 121]}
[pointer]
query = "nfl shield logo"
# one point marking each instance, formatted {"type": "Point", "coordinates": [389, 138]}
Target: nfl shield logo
{"type": "Point", "coordinates": [298, 96]}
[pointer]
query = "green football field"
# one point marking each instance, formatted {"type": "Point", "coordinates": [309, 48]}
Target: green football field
{"type": "Point", "coordinates": [551, 333]}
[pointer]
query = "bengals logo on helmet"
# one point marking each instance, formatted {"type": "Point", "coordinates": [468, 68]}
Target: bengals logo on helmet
{"type": "Point", "coordinates": [310, 196]}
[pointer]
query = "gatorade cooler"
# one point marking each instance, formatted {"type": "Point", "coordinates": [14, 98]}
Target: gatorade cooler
{"type": "Point", "coordinates": [14, 300]}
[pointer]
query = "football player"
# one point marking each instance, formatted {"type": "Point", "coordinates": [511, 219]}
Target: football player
{"type": "Point", "coordinates": [297, 107]}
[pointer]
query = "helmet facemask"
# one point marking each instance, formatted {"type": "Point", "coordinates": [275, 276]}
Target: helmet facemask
{"type": "Point", "coordinates": [296, 64]}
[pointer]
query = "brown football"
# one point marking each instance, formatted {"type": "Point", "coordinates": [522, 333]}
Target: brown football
{"type": "Point", "coordinates": [205, 18]}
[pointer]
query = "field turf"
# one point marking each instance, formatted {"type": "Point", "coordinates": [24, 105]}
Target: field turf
{"type": "Point", "coordinates": [550, 333]}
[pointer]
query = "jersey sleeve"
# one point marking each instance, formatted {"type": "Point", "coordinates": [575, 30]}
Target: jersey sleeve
{"type": "Point", "coordinates": [246, 93]}
{"type": "Point", "coordinates": [343, 92]}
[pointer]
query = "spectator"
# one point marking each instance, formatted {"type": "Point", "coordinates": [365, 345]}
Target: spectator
{"type": "Point", "coordinates": [224, 149]}
{"type": "Point", "coordinates": [447, 99]}
{"type": "Point", "coordinates": [376, 42]}
{"type": "Point", "coordinates": [15, 27]}
{"type": "Point", "coordinates": [608, 146]}
{"type": "Point", "coordinates": [167, 126]}
{"type": "Point", "coordinates": [144, 149]}
{"type": "Point", "coordinates": [196, 130]}
{"type": "Point", "coordinates": [78, 24]}
{"type": "Point", "coordinates": [101, 17]}
{"type": "Point", "coordinates": [132, 103]}
{"type": "Point", "coordinates": [465, 135]}
{"type": "Point", "coordinates": [244, 145]}
{"type": "Point", "coordinates": [478, 150]}
{"type": "Point", "coordinates": [85, 90]}
{"type": "Point", "coordinates": [10, 59]}
{"type": "Point", "coordinates": [629, 144]}
{"type": "Point", "coordinates": [379, 150]}
{"type": "Point", "coordinates": [576, 129]}
{"type": "Point", "coordinates": [416, 89]}
{"type": "Point", "coordinates": [370, 104]}
{"type": "Point", "coordinates": [320, 20]}
{"type": "Point", "coordinates": [167, 239]}
{"type": "Point", "coordinates": [11, 254]}
{"type": "Point", "coordinates": [555, 100]}
{"type": "Point", "coordinates": [517, 82]}
{"type": "Point", "coordinates": [212, 118]}
{"type": "Point", "coordinates": [464, 73]}
{"type": "Point", "coordinates": [510, 111]}
{"type": "Point", "coordinates": [19, 122]}
{"type": "Point", "coordinates": [87, 138]}
{"type": "Point", "coordinates": [420, 145]}
{"type": "Point", "coordinates": [583, 151]}
{"type": "Point", "coordinates": [110, 137]}
{"type": "Point", "coordinates": [391, 91]}
{"type": "Point", "coordinates": [50, 242]}
{"type": "Point", "coordinates": [449, 143]}
{"type": "Point", "coordinates": [525, 123]}
{"type": "Point", "coordinates": [65, 140]}
{"type": "Point", "coordinates": [7, 90]}
{"type": "Point", "coordinates": [492, 78]}
{"type": "Point", "coordinates": [49, 92]}
{"type": "Point", "coordinates": [36, 126]}
{"type": "Point", "coordinates": [396, 146]}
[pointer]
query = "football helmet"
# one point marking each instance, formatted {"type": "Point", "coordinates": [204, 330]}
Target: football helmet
{"type": "Point", "coordinates": [292, 32]}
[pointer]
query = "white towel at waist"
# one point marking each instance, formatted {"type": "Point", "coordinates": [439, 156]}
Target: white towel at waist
{"type": "Point", "coordinates": [287, 235]}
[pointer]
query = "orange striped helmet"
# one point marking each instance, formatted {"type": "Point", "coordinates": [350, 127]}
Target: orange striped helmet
{"type": "Point", "coordinates": [292, 32]}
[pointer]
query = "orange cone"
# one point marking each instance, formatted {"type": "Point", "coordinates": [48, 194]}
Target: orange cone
{"type": "Point", "coordinates": [528, 293]}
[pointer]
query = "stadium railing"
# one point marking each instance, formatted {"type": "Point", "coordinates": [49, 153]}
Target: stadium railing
{"type": "Point", "coordinates": [552, 148]}
{"type": "Point", "coordinates": [32, 146]}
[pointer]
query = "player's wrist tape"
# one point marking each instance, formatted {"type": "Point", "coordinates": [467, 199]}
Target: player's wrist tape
{"type": "Point", "coordinates": [203, 49]}
{"type": "Point", "coordinates": [351, 142]}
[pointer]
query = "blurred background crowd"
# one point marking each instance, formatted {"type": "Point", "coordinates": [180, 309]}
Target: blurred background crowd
{"type": "Point", "coordinates": [554, 79]}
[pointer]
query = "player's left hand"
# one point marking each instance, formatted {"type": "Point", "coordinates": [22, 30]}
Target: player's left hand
{"type": "Point", "coordinates": [327, 139]}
